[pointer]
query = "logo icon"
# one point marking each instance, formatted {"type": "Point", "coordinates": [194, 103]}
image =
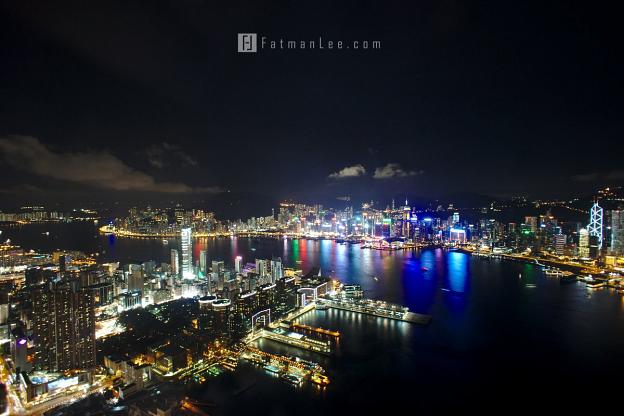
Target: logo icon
{"type": "Point", "coordinates": [247, 42]}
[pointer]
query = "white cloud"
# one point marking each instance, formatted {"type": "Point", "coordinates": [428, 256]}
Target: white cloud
{"type": "Point", "coordinates": [349, 172]}
{"type": "Point", "coordinates": [100, 169]}
{"type": "Point", "coordinates": [394, 170]}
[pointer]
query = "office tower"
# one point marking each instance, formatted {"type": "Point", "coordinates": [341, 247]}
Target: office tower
{"type": "Point", "coordinates": [455, 218]}
{"type": "Point", "coordinates": [285, 296]}
{"type": "Point", "coordinates": [559, 242]}
{"type": "Point", "coordinates": [175, 263]}
{"type": "Point", "coordinates": [135, 279]}
{"type": "Point", "coordinates": [63, 327]}
{"type": "Point", "coordinates": [617, 233]}
{"type": "Point", "coordinates": [266, 296]}
{"type": "Point", "coordinates": [406, 224]}
{"type": "Point", "coordinates": [63, 261]}
{"type": "Point", "coordinates": [238, 264]}
{"type": "Point", "coordinates": [531, 222]}
{"type": "Point", "coordinates": [148, 267]}
{"type": "Point", "coordinates": [206, 318]}
{"type": "Point", "coordinates": [276, 270]}
{"type": "Point", "coordinates": [595, 223]}
{"type": "Point", "coordinates": [262, 268]}
{"type": "Point", "coordinates": [246, 305]}
{"type": "Point", "coordinates": [186, 246]}
{"type": "Point", "coordinates": [218, 267]}
{"type": "Point", "coordinates": [221, 310]}
{"type": "Point", "coordinates": [583, 247]}
{"type": "Point", "coordinates": [203, 261]}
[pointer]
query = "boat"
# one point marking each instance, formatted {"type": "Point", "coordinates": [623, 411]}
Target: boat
{"type": "Point", "coordinates": [271, 369]}
{"type": "Point", "coordinates": [320, 379]}
{"type": "Point", "coordinates": [529, 285]}
{"type": "Point", "coordinates": [594, 284]}
{"type": "Point", "coordinates": [375, 278]}
{"type": "Point", "coordinates": [552, 271]}
{"type": "Point", "coordinates": [445, 289]}
{"type": "Point", "coordinates": [165, 241]}
{"type": "Point", "coordinates": [424, 269]}
{"type": "Point", "coordinates": [321, 307]}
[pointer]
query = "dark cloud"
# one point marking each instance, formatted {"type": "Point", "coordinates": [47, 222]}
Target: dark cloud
{"type": "Point", "coordinates": [614, 175]}
{"type": "Point", "coordinates": [100, 169]}
{"type": "Point", "coordinates": [166, 154]}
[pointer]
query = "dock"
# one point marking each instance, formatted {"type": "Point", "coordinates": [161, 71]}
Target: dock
{"type": "Point", "coordinates": [295, 340]}
{"type": "Point", "coordinates": [380, 309]}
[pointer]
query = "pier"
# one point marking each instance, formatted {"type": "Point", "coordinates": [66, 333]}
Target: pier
{"type": "Point", "coordinates": [311, 330]}
{"type": "Point", "coordinates": [378, 308]}
{"type": "Point", "coordinates": [294, 339]}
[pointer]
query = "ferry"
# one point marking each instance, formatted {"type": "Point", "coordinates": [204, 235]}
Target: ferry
{"type": "Point", "coordinates": [271, 369]}
{"type": "Point", "coordinates": [552, 271]}
{"type": "Point", "coordinates": [321, 307]}
{"type": "Point", "coordinates": [320, 379]}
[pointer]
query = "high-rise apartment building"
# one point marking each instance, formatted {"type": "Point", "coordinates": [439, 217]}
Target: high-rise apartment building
{"type": "Point", "coordinates": [63, 326]}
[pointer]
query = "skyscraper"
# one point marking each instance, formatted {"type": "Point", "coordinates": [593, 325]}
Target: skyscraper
{"type": "Point", "coordinates": [63, 327]}
{"type": "Point", "coordinates": [595, 223]}
{"type": "Point", "coordinates": [175, 262]}
{"type": "Point", "coordinates": [583, 247]}
{"type": "Point", "coordinates": [186, 245]}
{"type": "Point", "coordinates": [203, 262]}
{"type": "Point", "coordinates": [238, 264]}
{"type": "Point", "coordinates": [617, 233]}
{"type": "Point", "coordinates": [276, 270]}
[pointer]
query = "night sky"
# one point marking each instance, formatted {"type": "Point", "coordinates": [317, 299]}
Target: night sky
{"type": "Point", "coordinates": [122, 100]}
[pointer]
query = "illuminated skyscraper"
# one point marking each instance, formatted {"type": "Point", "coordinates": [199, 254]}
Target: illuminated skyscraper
{"type": "Point", "coordinates": [186, 246]}
{"type": "Point", "coordinates": [276, 270]}
{"type": "Point", "coordinates": [238, 264]}
{"type": "Point", "coordinates": [203, 262]}
{"type": "Point", "coordinates": [175, 262]}
{"type": "Point", "coordinates": [583, 247]}
{"type": "Point", "coordinates": [407, 216]}
{"type": "Point", "coordinates": [595, 223]}
{"type": "Point", "coordinates": [617, 233]}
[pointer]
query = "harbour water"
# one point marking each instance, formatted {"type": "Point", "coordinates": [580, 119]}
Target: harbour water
{"type": "Point", "coordinates": [492, 336]}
